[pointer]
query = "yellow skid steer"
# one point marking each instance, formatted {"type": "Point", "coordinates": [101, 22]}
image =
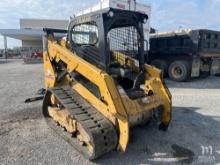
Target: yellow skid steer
{"type": "Point", "coordinates": [98, 85]}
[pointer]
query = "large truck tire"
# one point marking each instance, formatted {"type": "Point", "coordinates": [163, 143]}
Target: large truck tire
{"type": "Point", "coordinates": [162, 65]}
{"type": "Point", "coordinates": [179, 71]}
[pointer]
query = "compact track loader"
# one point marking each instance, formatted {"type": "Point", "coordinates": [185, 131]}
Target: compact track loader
{"type": "Point", "coordinates": [98, 85]}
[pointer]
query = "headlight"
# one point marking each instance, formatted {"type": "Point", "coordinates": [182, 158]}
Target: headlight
{"type": "Point", "coordinates": [110, 13]}
{"type": "Point", "coordinates": [145, 21]}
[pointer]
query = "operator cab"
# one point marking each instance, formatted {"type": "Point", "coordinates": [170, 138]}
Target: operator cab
{"type": "Point", "coordinates": [107, 39]}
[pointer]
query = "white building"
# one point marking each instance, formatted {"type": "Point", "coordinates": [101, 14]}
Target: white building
{"type": "Point", "coordinates": [31, 32]}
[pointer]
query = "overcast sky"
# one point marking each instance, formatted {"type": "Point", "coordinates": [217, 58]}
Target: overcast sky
{"type": "Point", "coordinates": [166, 15]}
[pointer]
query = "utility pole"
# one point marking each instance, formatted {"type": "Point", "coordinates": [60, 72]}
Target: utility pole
{"type": "Point", "coordinates": [6, 48]}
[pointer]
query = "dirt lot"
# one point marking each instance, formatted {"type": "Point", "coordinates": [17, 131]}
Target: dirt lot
{"type": "Point", "coordinates": [193, 137]}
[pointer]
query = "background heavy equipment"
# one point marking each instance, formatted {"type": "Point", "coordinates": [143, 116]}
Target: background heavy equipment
{"type": "Point", "coordinates": [186, 53]}
{"type": "Point", "coordinates": [98, 85]}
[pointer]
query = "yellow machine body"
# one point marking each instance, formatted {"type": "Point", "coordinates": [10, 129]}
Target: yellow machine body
{"type": "Point", "coordinates": [114, 104]}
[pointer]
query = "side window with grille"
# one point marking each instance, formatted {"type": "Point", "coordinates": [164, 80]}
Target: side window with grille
{"type": "Point", "coordinates": [85, 34]}
{"type": "Point", "coordinates": [124, 40]}
{"type": "Point", "coordinates": [86, 41]}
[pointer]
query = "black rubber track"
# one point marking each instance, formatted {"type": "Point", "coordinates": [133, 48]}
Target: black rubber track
{"type": "Point", "coordinates": [102, 133]}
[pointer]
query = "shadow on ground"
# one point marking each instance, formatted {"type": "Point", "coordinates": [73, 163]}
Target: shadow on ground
{"type": "Point", "coordinates": [25, 114]}
{"type": "Point", "coordinates": [211, 82]}
{"type": "Point", "coordinates": [181, 144]}
{"type": "Point", "coordinates": [7, 122]}
{"type": "Point", "coordinates": [4, 61]}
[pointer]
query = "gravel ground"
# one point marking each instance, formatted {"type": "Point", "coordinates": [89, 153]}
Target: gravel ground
{"type": "Point", "coordinates": [26, 139]}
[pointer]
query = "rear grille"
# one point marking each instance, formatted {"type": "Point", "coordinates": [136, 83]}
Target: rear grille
{"type": "Point", "coordinates": [124, 40]}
